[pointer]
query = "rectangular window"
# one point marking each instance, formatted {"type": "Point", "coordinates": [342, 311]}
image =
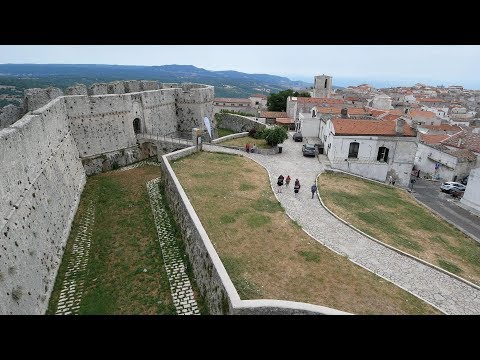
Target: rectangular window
{"type": "Point", "coordinates": [382, 154]}
{"type": "Point", "coordinates": [353, 150]}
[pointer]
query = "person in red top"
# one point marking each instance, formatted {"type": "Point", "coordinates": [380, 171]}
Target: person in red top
{"type": "Point", "coordinates": [287, 181]}
{"type": "Point", "coordinates": [247, 147]}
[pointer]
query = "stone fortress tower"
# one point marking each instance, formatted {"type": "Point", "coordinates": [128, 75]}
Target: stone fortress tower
{"type": "Point", "coordinates": [47, 148]}
{"type": "Point", "coordinates": [322, 86]}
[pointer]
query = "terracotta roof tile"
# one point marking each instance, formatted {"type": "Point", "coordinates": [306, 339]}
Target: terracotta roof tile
{"type": "Point", "coordinates": [469, 140]}
{"type": "Point", "coordinates": [368, 127]}
{"type": "Point", "coordinates": [338, 110]}
{"type": "Point", "coordinates": [433, 139]}
{"type": "Point", "coordinates": [310, 100]}
{"type": "Point", "coordinates": [443, 127]}
{"type": "Point", "coordinates": [284, 120]}
{"type": "Point", "coordinates": [273, 114]}
{"type": "Point", "coordinates": [231, 100]}
{"type": "Point", "coordinates": [259, 96]}
{"type": "Point", "coordinates": [422, 114]}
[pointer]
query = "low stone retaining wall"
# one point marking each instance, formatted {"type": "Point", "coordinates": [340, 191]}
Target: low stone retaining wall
{"type": "Point", "coordinates": [272, 151]}
{"type": "Point", "coordinates": [210, 274]}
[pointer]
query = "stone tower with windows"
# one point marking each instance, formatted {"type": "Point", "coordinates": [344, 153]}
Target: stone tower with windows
{"type": "Point", "coordinates": [322, 86]}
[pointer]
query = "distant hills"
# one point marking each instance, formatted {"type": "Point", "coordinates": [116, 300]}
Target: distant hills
{"type": "Point", "coordinates": [227, 83]}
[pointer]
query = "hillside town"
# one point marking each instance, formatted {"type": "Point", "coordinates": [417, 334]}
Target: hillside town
{"type": "Point", "coordinates": [398, 133]}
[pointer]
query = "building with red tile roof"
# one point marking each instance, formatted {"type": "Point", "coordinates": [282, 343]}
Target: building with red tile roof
{"type": "Point", "coordinates": [375, 149]}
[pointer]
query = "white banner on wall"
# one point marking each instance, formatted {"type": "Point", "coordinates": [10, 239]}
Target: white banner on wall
{"type": "Point", "coordinates": [206, 121]}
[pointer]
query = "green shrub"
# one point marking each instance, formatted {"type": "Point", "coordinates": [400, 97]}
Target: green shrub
{"type": "Point", "coordinates": [275, 135]}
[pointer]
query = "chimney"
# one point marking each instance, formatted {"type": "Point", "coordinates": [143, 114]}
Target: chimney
{"type": "Point", "coordinates": [344, 113]}
{"type": "Point", "coordinates": [399, 126]}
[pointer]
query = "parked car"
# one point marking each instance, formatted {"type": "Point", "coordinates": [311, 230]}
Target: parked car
{"type": "Point", "coordinates": [464, 181]}
{"type": "Point", "coordinates": [297, 136]}
{"type": "Point", "coordinates": [451, 185]}
{"type": "Point", "coordinates": [308, 150]}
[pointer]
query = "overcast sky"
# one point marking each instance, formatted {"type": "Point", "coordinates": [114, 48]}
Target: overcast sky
{"type": "Point", "coordinates": [395, 64]}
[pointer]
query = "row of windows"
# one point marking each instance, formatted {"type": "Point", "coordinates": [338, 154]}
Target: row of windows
{"type": "Point", "coordinates": [382, 155]}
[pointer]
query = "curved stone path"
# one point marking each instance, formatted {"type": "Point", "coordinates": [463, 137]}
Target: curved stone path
{"type": "Point", "coordinates": [447, 293]}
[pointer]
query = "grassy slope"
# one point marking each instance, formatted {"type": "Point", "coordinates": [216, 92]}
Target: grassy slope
{"type": "Point", "coordinates": [392, 216]}
{"type": "Point", "coordinates": [269, 256]}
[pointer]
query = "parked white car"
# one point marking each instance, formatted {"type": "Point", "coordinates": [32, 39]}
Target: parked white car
{"type": "Point", "coordinates": [450, 185]}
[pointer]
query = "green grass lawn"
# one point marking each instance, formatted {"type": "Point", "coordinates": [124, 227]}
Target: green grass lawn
{"type": "Point", "coordinates": [392, 216]}
{"type": "Point", "coordinates": [241, 142]}
{"type": "Point", "coordinates": [224, 132]}
{"type": "Point", "coordinates": [124, 243]}
{"type": "Point", "coordinates": [266, 254]}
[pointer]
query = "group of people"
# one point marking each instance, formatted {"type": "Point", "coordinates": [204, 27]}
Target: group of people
{"type": "Point", "coordinates": [250, 149]}
{"type": "Point", "coordinates": [296, 186]}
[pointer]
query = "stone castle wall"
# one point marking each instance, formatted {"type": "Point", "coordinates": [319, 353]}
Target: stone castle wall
{"type": "Point", "coordinates": [42, 179]}
{"type": "Point", "coordinates": [41, 157]}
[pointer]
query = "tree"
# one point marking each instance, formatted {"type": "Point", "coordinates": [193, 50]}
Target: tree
{"type": "Point", "coordinates": [301, 94]}
{"type": "Point", "coordinates": [278, 101]}
{"type": "Point", "coordinates": [275, 135]}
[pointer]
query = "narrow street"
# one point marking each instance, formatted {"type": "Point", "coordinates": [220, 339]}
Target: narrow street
{"type": "Point", "coordinates": [428, 192]}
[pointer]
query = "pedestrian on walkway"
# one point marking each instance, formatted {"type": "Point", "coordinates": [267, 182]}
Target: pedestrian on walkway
{"type": "Point", "coordinates": [287, 181]}
{"type": "Point", "coordinates": [247, 147]}
{"type": "Point", "coordinates": [296, 187]}
{"type": "Point", "coordinates": [314, 189]}
{"type": "Point", "coordinates": [390, 180]}
{"type": "Point", "coordinates": [254, 148]}
{"type": "Point", "coordinates": [280, 183]}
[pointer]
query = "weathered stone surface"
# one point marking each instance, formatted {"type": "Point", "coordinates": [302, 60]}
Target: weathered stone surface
{"type": "Point", "coordinates": [132, 86]}
{"type": "Point", "coordinates": [147, 85]}
{"type": "Point", "coordinates": [42, 154]}
{"type": "Point", "coordinates": [116, 87]}
{"type": "Point", "coordinates": [9, 114]}
{"type": "Point", "coordinates": [98, 89]}
{"type": "Point", "coordinates": [35, 98]}
{"type": "Point", "coordinates": [238, 123]}
{"type": "Point", "coordinates": [77, 89]}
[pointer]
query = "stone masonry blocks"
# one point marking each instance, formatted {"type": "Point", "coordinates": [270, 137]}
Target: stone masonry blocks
{"type": "Point", "coordinates": [116, 87]}
{"type": "Point", "coordinates": [132, 86]}
{"type": "Point", "coordinates": [98, 89]}
{"type": "Point", "coordinates": [77, 89]}
{"type": "Point", "coordinates": [9, 114]}
{"type": "Point", "coordinates": [147, 85]}
{"type": "Point", "coordinates": [36, 98]}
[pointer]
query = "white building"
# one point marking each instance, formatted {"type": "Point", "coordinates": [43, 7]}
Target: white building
{"type": "Point", "coordinates": [375, 149]}
{"type": "Point", "coordinates": [472, 193]}
{"type": "Point", "coordinates": [383, 102]}
{"type": "Point", "coordinates": [444, 163]}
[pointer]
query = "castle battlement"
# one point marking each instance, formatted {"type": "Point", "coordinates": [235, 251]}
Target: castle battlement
{"type": "Point", "coordinates": [48, 146]}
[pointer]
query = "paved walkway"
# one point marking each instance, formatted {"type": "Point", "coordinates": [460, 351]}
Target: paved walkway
{"type": "Point", "coordinates": [72, 286]}
{"type": "Point", "coordinates": [428, 192]}
{"type": "Point", "coordinates": [180, 287]}
{"type": "Point", "coordinates": [450, 295]}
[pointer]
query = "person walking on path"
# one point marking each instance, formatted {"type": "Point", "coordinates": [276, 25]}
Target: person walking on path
{"type": "Point", "coordinates": [296, 187]}
{"type": "Point", "coordinates": [280, 183]}
{"type": "Point", "coordinates": [254, 148]}
{"type": "Point", "coordinates": [247, 147]}
{"type": "Point", "coordinates": [287, 181]}
{"type": "Point", "coordinates": [314, 189]}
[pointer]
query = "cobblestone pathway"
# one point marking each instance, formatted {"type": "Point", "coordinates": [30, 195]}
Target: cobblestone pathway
{"type": "Point", "coordinates": [138, 164]}
{"type": "Point", "coordinates": [447, 293]}
{"type": "Point", "coordinates": [180, 286]}
{"type": "Point", "coordinates": [72, 287]}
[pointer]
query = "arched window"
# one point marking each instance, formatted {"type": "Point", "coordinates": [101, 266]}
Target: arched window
{"type": "Point", "coordinates": [137, 126]}
{"type": "Point", "coordinates": [326, 80]}
{"type": "Point", "coordinates": [382, 154]}
{"type": "Point", "coordinates": [353, 150]}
